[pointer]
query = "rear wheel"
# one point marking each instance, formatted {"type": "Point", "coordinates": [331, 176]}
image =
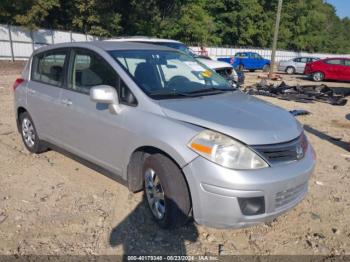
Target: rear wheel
{"type": "Point", "coordinates": [240, 67]}
{"type": "Point", "coordinates": [318, 76]}
{"type": "Point", "coordinates": [266, 68]}
{"type": "Point", "coordinates": [29, 134]}
{"type": "Point", "coordinates": [166, 191]}
{"type": "Point", "coordinates": [290, 70]}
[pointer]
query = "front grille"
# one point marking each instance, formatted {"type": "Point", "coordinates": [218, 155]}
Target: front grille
{"type": "Point", "coordinates": [283, 152]}
{"type": "Point", "coordinates": [287, 196]}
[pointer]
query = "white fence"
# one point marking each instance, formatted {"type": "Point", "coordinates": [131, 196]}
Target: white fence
{"type": "Point", "coordinates": [18, 43]}
{"type": "Point", "coordinates": [216, 52]}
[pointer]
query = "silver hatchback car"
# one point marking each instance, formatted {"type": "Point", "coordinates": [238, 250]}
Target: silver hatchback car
{"type": "Point", "coordinates": [158, 120]}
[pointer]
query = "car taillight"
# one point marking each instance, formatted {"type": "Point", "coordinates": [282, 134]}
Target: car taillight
{"type": "Point", "coordinates": [17, 83]}
{"type": "Point", "coordinates": [232, 60]}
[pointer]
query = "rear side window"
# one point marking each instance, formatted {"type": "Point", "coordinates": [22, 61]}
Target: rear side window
{"type": "Point", "coordinates": [347, 62]}
{"type": "Point", "coordinates": [48, 67]}
{"type": "Point", "coordinates": [335, 62]}
{"type": "Point", "coordinates": [89, 69]}
{"type": "Point", "coordinates": [241, 55]}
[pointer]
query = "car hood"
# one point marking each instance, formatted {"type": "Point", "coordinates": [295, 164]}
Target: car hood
{"type": "Point", "coordinates": [214, 64]}
{"type": "Point", "coordinates": [246, 118]}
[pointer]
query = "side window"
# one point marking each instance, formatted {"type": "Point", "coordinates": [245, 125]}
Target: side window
{"type": "Point", "coordinates": [241, 55]}
{"type": "Point", "coordinates": [347, 62]}
{"type": "Point", "coordinates": [297, 60]}
{"type": "Point", "coordinates": [304, 60]}
{"type": "Point", "coordinates": [125, 95]}
{"type": "Point", "coordinates": [256, 56]}
{"type": "Point", "coordinates": [48, 67]}
{"type": "Point", "coordinates": [335, 62]}
{"type": "Point", "coordinates": [88, 70]}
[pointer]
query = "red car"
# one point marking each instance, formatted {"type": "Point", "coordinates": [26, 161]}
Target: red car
{"type": "Point", "coordinates": [329, 69]}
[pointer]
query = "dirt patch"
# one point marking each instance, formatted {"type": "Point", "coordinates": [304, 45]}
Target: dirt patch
{"type": "Point", "coordinates": [50, 204]}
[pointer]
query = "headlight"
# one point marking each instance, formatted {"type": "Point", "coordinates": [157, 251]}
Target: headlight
{"type": "Point", "coordinates": [225, 151]}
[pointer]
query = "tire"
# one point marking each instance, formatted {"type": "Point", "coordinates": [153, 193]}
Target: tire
{"type": "Point", "coordinates": [240, 67]}
{"type": "Point", "coordinates": [266, 68]}
{"type": "Point", "coordinates": [162, 177]}
{"type": "Point", "coordinates": [318, 76]}
{"type": "Point", "coordinates": [252, 70]}
{"type": "Point", "coordinates": [290, 70]}
{"type": "Point", "coordinates": [29, 134]}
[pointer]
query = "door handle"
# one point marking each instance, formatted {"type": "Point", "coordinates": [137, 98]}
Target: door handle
{"type": "Point", "coordinates": [66, 102]}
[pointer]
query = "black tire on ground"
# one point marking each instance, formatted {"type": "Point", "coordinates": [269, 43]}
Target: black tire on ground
{"type": "Point", "coordinates": [38, 146]}
{"type": "Point", "coordinates": [266, 68]}
{"type": "Point", "coordinates": [318, 76]}
{"type": "Point", "coordinates": [252, 70]}
{"type": "Point", "coordinates": [290, 70]}
{"type": "Point", "coordinates": [176, 193]}
{"type": "Point", "coordinates": [240, 67]}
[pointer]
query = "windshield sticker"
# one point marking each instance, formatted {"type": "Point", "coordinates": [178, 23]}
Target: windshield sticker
{"type": "Point", "coordinates": [207, 74]}
{"type": "Point", "coordinates": [194, 66]}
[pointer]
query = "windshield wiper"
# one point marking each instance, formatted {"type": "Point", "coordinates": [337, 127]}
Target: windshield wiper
{"type": "Point", "coordinates": [164, 92]}
{"type": "Point", "coordinates": [212, 90]}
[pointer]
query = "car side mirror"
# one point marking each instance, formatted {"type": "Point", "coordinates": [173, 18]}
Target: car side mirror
{"type": "Point", "coordinates": [106, 95]}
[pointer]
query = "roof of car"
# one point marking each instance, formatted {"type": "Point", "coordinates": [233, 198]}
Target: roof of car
{"type": "Point", "coordinates": [143, 39]}
{"type": "Point", "coordinates": [106, 45]}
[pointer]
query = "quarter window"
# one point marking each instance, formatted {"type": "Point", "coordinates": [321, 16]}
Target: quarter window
{"type": "Point", "coordinates": [90, 70]}
{"type": "Point", "coordinates": [48, 68]}
{"type": "Point", "coordinates": [347, 62]}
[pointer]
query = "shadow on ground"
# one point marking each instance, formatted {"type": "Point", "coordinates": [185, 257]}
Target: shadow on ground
{"type": "Point", "coordinates": [330, 139]}
{"type": "Point", "coordinates": [139, 234]}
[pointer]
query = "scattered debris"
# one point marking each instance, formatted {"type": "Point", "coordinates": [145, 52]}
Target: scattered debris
{"type": "Point", "coordinates": [315, 216]}
{"type": "Point", "coordinates": [2, 217]}
{"type": "Point", "coordinates": [298, 93]}
{"type": "Point", "coordinates": [319, 183]}
{"type": "Point", "coordinates": [274, 77]}
{"type": "Point", "coordinates": [221, 250]}
{"type": "Point", "coordinates": [299, 112]}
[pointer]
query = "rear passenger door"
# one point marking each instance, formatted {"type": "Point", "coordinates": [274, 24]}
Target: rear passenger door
{"type": "Point", "coordinates": [90, 130]}
{"type": "Point", "coordinates": [347, 69]}
{"type": "Point", "coordinates": [300, 64]}
{"type": "Point", "coordinates": [43, 91]}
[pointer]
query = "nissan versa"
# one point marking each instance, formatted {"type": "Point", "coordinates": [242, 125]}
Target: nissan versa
{"type": "Point", "coordinates": [159, 120]}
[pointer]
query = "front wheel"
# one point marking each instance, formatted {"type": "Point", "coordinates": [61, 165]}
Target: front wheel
{"type": "Point", "coordinates": [166, 191]}
{"type": "Point", "coordinates": [317, 76]}
{"type": "Point", "coordinates": [266, 68]}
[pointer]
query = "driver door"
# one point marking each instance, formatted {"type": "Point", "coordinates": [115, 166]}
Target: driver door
{"type": "Point", "coordinates": [91, 131]}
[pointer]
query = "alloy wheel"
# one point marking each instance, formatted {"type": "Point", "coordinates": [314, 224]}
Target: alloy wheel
{"type": "Point", "coordinates": [154, 193]}
{"type": "Point", "coordinates": [28, 132]}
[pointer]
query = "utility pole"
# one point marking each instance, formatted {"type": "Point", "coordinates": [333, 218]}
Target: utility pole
{"type": "Point", "coordinates": [275, 37]}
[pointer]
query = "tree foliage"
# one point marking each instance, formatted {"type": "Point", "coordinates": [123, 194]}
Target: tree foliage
{"type": "Point", "coordinates": [310, 25]}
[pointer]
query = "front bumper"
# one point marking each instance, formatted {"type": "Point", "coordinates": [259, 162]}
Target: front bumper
{"type": "Point", "coordinates": [215, 190]}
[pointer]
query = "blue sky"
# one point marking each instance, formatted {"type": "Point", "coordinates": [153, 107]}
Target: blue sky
{"type": "Point", "coordinates": [342, 6]}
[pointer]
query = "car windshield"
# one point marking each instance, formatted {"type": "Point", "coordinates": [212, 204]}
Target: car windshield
{"type": "Point", "coordinates": [165, 74]}
{"type": "Point", "coordinates": [178, 46]}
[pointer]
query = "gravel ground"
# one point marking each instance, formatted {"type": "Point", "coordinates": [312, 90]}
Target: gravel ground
{"type": "Point", "coordinates": [50, 204]}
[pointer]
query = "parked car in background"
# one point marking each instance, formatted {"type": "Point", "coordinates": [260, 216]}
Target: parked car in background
{"type": "Point", "coordinates": [248, 60]}
{"type": "Point", "coordinates": [224, 69]}
{"type": "Point", "coordinates": [295, 65]}
{"type": "Point", "coordinates": [160, 121]}
{"type": "Point", "coordinates": [329, 69]}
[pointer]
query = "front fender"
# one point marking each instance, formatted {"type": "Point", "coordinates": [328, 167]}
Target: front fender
{"type": "Point", "coordinates": [161, 132]}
